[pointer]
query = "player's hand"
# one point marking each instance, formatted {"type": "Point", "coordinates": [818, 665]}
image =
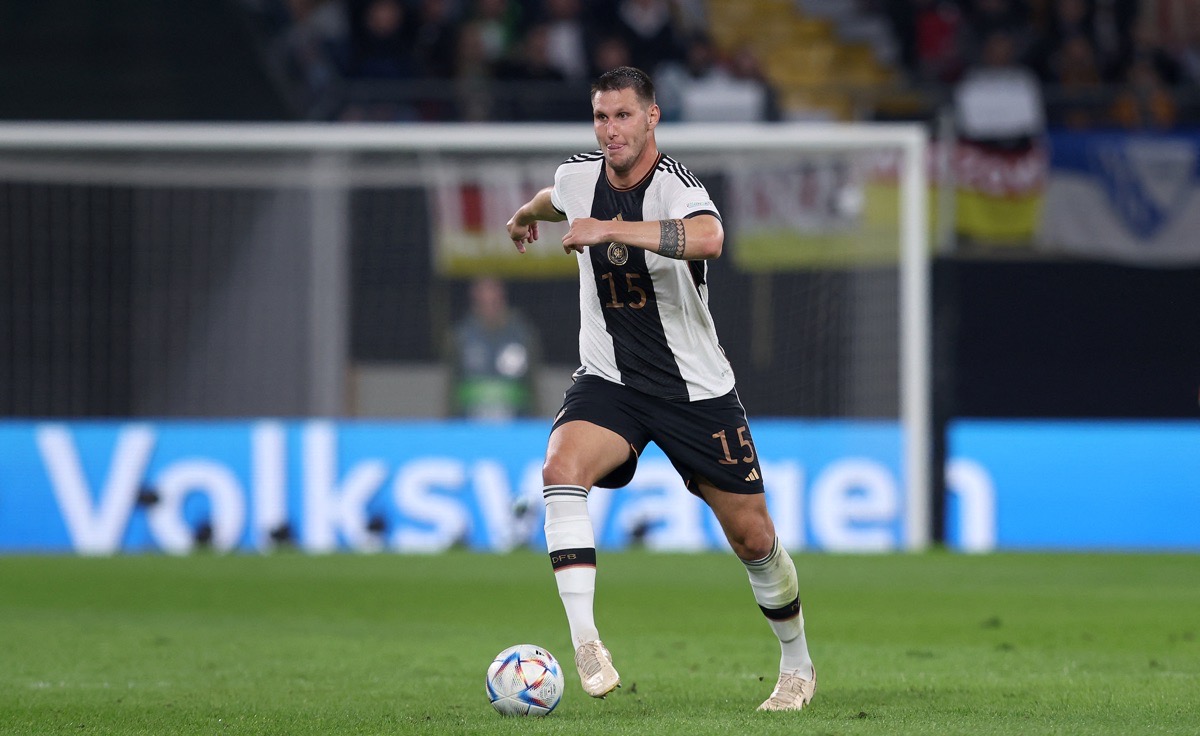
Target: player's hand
{"type": "Point", "coordinates": [583, 232]}
{"type": "Point", "coordinates": [522, 234]}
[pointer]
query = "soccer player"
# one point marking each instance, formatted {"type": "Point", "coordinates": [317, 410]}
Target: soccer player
{"type": "Point", "coordinates": [641, 228]}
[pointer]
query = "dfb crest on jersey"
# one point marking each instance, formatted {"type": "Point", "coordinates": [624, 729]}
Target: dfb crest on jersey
{"type": "Point", "coordinates": [1147, 181]}
{"type": "Point", "coordinates": [618, 254]}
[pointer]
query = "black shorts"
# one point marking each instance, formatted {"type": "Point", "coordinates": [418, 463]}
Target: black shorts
{"type": "Point", "coordinates": [707, 439]}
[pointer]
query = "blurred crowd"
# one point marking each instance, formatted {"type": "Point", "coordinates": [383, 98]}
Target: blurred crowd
{"type": "Point", "coordinates": [1101, 62]}
{"type": "Point", "coordinates": [424, 45]}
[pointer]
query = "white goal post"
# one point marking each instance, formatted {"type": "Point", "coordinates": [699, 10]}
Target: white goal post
{"type": "Point", "coordinates": [327, 143]}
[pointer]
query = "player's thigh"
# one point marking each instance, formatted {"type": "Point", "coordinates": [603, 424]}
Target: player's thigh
{"type": "Point", "coordinates": [581, 453]}
{"type": "Point", "coordinates": [743, 517]}
{"type": "Point", "coordinates": [597, 435]}
{"type": "Point", "coordinates": [709, 440]}
{"type": "Point", "coordinates": [709, 443]}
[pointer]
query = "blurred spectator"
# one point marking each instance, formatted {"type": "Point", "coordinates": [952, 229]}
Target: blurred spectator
{"type": "Point", "coordinates": [530, 60]}
{"type": "Point", "coordinates": [496, 24]}
{"type": "Point", "coordinates": [704, 87]}
{"type": "Point", "coordinates": [1144, 102]}
{"type": "Point", "coordinates": [1065, 21]}
{"type": "Point", "coordinates": [999, 100]}
{"type": "Point", "coordinates": [1113, 23]}
{"type": "Point", "coordinates": [610, 52]}
{"type": "Point", "coordinates": [436, 39]}
{"type": "Point", "coordinates": [701, 64]}
{"type": "Point", "coordinates": [938, 35]}
{"type": "Point", "coordinates": [1188, 54]}
{"type": "Point", "coordinates": [473, 75]}
{"type": "Point", "coordinates": [1107, 25]}
{"type": "Point", "coordinates": [323, 25]}
{"type": "Point", "coordinates": [1174, 27]}
{"type": "Point", "coordinates": [1146, 48]}
{"type": "Point", "coordinates": [382, 41]}
{"type": "Point", "coordinates": [492, 357]}
{"type": "Point", "coordinates": [1075, 64]}
{"type": "Point", "coordinates": [986, 17]}
{"type": "Point", "coordinates": [746, 65]}
{"type": "Point", "coordinates": [534, 73]}
{"type": "Point", "coordinates": [316, 44]}
{"type": "Point", "coordinates": [702, 59]}
{"type": "Point", "coordinates": [649, 28]}
{"type": "Point", "coordinates": [1189, 61]}
{"type": "Point", "coordinates": [566, 38]}
{"type": "Point", "coordinates": [901, 18]}
{"type": "Point", "coordinates": [690, 17]}
{"type": "Point", "coordinates": [1074, 72]}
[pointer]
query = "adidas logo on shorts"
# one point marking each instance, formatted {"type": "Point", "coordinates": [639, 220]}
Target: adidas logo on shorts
{"type": "Point", "coordinates": [753, 476]}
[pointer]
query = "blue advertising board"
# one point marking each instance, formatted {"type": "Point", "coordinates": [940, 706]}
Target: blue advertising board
{"type": "Point", "coordinates": [1076, 485]}
{"type": "Point", "coordinates": [107, 487]}
{"type": "Point", "coordinates": [110, 487]}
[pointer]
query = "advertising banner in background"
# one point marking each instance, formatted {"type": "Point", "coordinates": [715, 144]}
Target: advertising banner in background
{"type": "Point", "coordinates": [842, 209]}
{"type": "Point", "coordinates": [471, 201]}
{"type": "Point", "coordinates": [999, 194]}
{"type": "Point", "coordinates": [1078, 485]}
{"type": "Point", "coordinates": [1131, 197]}
{"type": "Point", "coordinates": [108, 487]}
{"type": "Point", "coordinates": [830, 210]}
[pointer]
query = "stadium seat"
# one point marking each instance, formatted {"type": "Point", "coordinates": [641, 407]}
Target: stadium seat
{"type": "Point", "coordinates": [816, 71]}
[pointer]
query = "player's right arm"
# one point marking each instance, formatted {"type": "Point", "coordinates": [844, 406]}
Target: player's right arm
{"type": "Point", "coordinates": [522, 226]}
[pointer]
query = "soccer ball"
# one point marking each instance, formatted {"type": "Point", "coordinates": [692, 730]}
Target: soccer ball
{"type": "Point", "coordinates": [524, 680]}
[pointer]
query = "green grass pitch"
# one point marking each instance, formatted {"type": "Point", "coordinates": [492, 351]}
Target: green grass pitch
{"type": "Point", "coordinates": [387, 644]}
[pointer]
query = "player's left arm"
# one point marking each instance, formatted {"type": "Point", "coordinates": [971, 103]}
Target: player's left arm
{"type": "Point", "coordinates": [687, 238]}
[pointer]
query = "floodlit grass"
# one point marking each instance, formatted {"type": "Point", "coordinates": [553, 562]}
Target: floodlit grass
{"type": "Point", "coordinates": [385, 644]}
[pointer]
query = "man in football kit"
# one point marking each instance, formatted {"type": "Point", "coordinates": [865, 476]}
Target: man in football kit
{"type": "Point", "coordinates": [641, 227]}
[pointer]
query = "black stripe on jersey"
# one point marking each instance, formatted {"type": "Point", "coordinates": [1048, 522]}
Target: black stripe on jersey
{"type": "Point", "coordinates": [671, 166]}
{"type": "Point", "coordinates": [625, 291]}
{"type": "Point", "coordinates": [581, 157]}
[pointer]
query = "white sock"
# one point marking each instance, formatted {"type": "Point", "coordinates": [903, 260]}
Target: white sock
{"type": "Point", "coordinates": [572, 546]}
{"type": "Point", "coordinates": [773, 580]}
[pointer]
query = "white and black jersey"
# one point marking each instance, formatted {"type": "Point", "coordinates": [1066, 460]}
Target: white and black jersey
{"type": "Point", "coordinates": [644, 319]}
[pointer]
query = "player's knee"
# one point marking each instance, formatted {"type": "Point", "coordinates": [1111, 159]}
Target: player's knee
{"type": "Point", "coordinates": [752, 541]}
{"type": "Point", "coordinates": [558, 471]}
{"type": "Point", "coordinates": [756, 547]}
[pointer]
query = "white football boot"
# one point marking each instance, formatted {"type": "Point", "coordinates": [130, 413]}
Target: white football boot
{"type": "Point", "coordinates": [596, 671]}
{"type": "Point", "coordinates": [791, 692]}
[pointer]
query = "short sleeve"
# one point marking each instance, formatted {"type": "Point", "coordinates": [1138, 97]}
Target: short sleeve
{"type": "Point", "coordinates": [691, 201]}
{"type": "Point", "coordinates": [555, 196]}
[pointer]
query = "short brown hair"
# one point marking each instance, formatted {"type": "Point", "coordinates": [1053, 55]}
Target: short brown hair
{"type": "Point", "coordinates": [626, 77]}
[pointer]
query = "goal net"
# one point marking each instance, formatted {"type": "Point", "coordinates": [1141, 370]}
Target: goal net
{"type": "Point", "coordinates": [263, 270]}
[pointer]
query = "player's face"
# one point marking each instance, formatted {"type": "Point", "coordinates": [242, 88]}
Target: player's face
{"type": "Point", "coordinates": [624, 127]}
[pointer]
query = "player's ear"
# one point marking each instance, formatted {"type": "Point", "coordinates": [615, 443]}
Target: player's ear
{"type": "Point", "coordinates": [653, 114]}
